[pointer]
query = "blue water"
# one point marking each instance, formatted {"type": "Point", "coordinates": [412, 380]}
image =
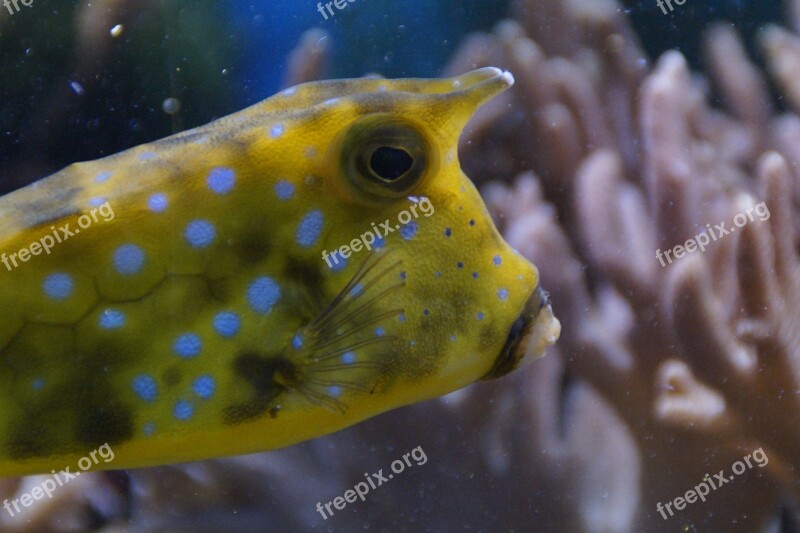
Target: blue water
{"type": "Point", "coordinates": [395, 39]}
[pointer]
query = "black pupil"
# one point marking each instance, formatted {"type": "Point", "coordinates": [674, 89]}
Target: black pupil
{"type": "Point", "coordinates": [390, 163]}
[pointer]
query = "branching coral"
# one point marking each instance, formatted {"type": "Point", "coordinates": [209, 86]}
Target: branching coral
{"type": "Point", "coordinates": [700, 357]}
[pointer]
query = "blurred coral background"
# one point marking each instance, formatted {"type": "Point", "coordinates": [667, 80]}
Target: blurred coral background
{"type": "Point", "coordinates": [627, 131]}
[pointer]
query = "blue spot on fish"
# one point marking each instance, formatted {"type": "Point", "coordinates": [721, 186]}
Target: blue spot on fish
{"type": "Point", "coordinates": [227, 324]}
{"type": "Point", "coordinates": [200, 233]}
{"type": "Point", "coordinates": [204, 387]}
{"type": "Point", "coordinates": [58, 286]}
{"type": "Point", "coordinates": [497, 260]}
{"type": "Point", "coordinates": [111, 319]}
{"type": "Point", "coordinates": [284, 190]}
{"type": "Point", "coordinates": [480, 315]}
{"type": "Point", "coordinates": [334, 391]}
{"type": "Point", "coordinates": [128, 259]}
{"type": "Point", "coordinates": [262, 294]}
{"type": "Point", "coordinates": [158, 202]}
{"type": "Point", "coordinates": [502, 294]}
{"type": "Point", "coordinates": [408, 231]}
{"type": "Point", "coordinates": [183, 410]}
{"type": "Point", "coordinates": [297, 342]}
{"type": "Point", "coordinates": [357, 289]}
{"type": "Point", "coordinates": [276, 131]}
{"type": "Point", "coordinates": [145, 387]}
{"type": "Point", "coordinates": [309, 229]}
{"type": "Point", "coordinates": [102, 177]}
{"type": "Point", "coordinates": [338, 263]}
{"type": "Point", "coordinates": [187, 345]}
{"type": "Point", "coordinates": [221, 180]}
{"type": "Point", "coordinates": [348, 358]}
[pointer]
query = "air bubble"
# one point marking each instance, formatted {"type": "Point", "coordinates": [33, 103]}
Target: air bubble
{"type": "Point", "coordinates": [77, 87]}
{"type": "Point", "coordinates": [171, 106]}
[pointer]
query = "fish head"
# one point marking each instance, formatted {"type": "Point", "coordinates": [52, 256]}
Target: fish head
{"type": "Point", "coordinates": [406, 231]}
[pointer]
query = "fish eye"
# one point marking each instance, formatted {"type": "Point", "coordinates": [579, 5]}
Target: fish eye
{"type": "Point", "coordinates": [390, 163]}
{"type": "Point", "coordinates": [384, 158]}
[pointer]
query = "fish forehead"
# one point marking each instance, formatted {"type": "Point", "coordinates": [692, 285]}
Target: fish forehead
{"type": "Point", "coordinates": [200, 280]}
{"type": "Point", "coordinates": [284, 137]}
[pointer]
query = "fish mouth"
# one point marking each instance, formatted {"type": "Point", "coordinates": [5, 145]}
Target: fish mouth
{"type": "Point", "coordinates": [534, 330]}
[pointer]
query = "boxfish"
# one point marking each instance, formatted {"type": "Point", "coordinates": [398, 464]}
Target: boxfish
{"type": "Point", "coordinates": [273, 276]}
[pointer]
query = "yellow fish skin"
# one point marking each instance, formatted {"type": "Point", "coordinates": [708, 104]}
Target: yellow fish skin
{"type": "Point", "coordinates": [188, 311]}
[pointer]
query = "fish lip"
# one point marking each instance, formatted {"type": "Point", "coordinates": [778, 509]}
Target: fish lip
{"type": "Point", "coordinates": [529, 335]}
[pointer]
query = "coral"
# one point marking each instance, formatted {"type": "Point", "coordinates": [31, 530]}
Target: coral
{"type": "Point", "coordinates": [699, 357]}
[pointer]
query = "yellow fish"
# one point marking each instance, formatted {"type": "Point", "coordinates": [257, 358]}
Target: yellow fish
{"type": "Point", "coordinates": [276, 275]}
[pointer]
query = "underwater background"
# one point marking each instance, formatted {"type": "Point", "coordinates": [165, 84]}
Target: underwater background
{"type": "Point", "coordinates": [629, 129]}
